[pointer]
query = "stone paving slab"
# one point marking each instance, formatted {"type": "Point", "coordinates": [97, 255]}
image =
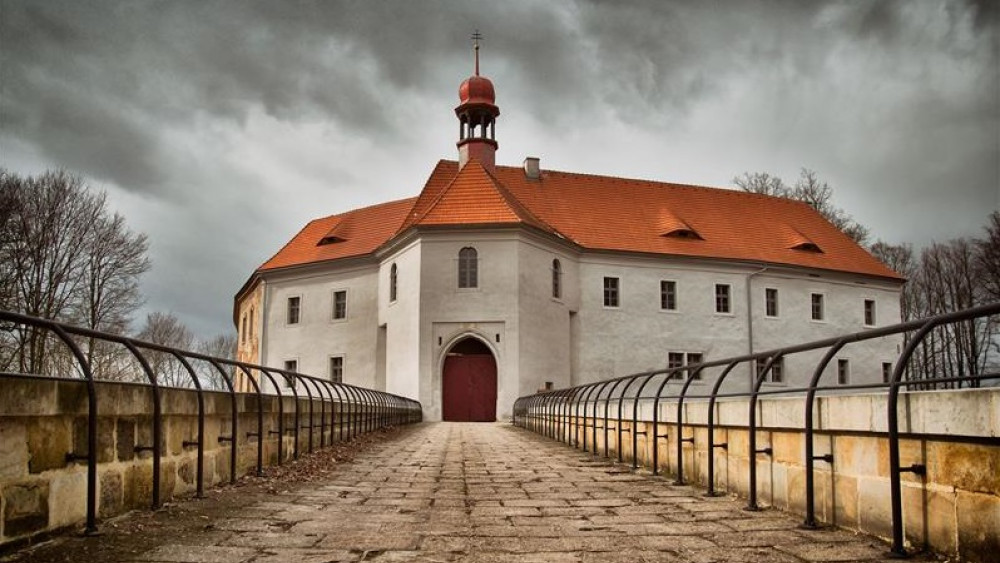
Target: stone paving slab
{"type": "Point", "coordinates": [484, 493]}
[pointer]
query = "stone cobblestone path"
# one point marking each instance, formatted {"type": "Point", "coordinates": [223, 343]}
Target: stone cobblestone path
{"type": "Point", "coordinates": [492, 492]}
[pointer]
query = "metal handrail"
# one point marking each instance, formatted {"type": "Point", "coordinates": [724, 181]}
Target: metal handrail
{"type": "Point", "coordinates": [374, 409]}
{"type": "Point", "coordinates": [528, 410]}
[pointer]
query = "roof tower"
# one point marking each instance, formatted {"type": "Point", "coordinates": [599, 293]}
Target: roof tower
{"type": "Point", "coordinates": [477, 113]}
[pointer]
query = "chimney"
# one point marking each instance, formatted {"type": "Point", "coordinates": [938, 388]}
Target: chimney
{"type": "Point", "coordinates": [531, 168]}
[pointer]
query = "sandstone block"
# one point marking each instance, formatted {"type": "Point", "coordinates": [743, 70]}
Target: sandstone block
{"type": "Point", "coordinates": [111, 496]}
{"type": "Point", "coordinates": [125, 439]}
{"type": "Point", "coordinates": [68, 497]}
{"type": "Point", "coordinates": [13, 449]}
{"type": "Point", "coordinates": [105, 438]}
{"type": "Point", "coordinates": [25, 507]}
{"type": "Point", "coordinates": [978, 522]}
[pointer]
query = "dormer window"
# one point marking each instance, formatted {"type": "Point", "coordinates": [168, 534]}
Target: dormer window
{"type": "Point", "coordinates": [687, 233]}
{"type": "Point", "coordinates": [672, 226]}
{"type": "Point", "coordinates": [341, 231]}
{"type": "Point", "coordinates": [808, 247]}
{"type": "Point", "coordinates": [795, 240]}
{"type": "Point", "coordinates": [330, 239]}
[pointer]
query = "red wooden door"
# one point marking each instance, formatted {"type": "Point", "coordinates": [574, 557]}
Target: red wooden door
{"type": "Point", "coordinates": [469, 389]}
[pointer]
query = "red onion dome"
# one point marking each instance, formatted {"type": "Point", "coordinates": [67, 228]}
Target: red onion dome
{"type": "Point", "coordinates": [477, 90]}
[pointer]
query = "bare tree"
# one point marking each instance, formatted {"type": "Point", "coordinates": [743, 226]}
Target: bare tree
{"type": "Point", "coordinates": [166, 329]}
{"type": "Point", "coordinates": [900, 259]}
{"type": "Point", "coordinates": [949, 280]}
{"type": "Point", "coordinates": [221, 346]}
{"type": "Point", "coordinates": [116, 257]}
{"type": "Point", "coordinates": [64, 257]}
{"type": "Point", "coordinates": [762, 183]}
{"type": "Point", "coordinates": [988, 259]}
{"type": "Point", "coordinates": [51, 222]}
{"type": "Point", "coordinates": [810, 190]}
{"type": "Point", "coordinates": [819, 196]}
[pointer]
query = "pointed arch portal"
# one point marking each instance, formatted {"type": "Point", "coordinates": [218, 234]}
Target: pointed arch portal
{"type": "Point", "coordinates": [469, 383]}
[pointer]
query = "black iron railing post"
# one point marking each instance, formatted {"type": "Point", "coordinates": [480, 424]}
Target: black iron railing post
{"type": "Point", "coordinates": [91, 526]}
{"type": "Point", "coordinates": [681, 439]}
{"type": "Point", "coordinates": [200, 455]}
{"type": "Point", "coordinates": [752, 432]}
{"type": "Point", "coordinates": [810, 521]}
{"type": "Point", "coordinates": [711, 425]}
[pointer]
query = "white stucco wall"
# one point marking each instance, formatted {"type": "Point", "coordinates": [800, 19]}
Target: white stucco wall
{"type": "Point", "coordinates": [318, 336]}
{"type": "Point", "coordinates": [544, 321]}
{"type": "Point", "coordinates": [489, 311]}
{"type": "Point", "coordinates": [638, 335]}
{"type": "Point", "coordinates": [570, 340]}
{"type": "Point", "coordinates": [401, 319]}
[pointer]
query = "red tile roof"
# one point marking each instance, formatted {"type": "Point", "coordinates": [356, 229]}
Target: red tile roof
{"type": "Point", "coordinates": [473, 197]}
{"type": "Point", "coordinates": [361, 231]}
{"type": "Point", "coordinates": [597, 213]}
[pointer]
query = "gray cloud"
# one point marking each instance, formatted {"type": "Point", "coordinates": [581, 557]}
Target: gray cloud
{"type": "Point", "coordinates": [221, 127]}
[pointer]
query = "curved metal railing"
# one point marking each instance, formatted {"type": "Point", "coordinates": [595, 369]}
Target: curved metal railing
{"type": "Point", "coordinates": [559, 414]}
{"type": "Point", "coordinates": [352, 410]}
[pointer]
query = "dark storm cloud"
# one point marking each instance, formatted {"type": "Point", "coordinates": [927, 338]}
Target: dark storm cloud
{"type": "Point", "coordinates": [230, 123]}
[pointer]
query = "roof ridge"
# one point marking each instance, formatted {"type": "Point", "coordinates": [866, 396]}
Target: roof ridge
{"type": "Point", "coordinates": [510, 201]}
{"type": "Point", "coordinates": [364, 208]}
{"type": "Point", "coordinates": [659, 183]}
{"type": "Point", "coordinates": [289, 243]}
{"type": "Point", "coordinates": [342, 215]}
{"type": "Point", "coordinates": [518, 206]}
{"type": "Point", "coordinates": [410, 219]}
{"type": "Point", "coordinates": [437, 198]}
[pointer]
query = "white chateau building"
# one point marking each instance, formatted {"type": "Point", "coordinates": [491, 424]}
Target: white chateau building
{"type": "Point", "coordinates": [495, 281]}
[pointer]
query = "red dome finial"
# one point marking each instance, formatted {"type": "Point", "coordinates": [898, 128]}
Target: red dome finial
{"type": "Point", "coordinates": [476, 89]}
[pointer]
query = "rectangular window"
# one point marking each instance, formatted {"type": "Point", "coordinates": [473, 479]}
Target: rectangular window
{"type": "Point", "coordinates": [611, 292]}
{"type": "Point", "coordinates": [243, 333]}
{"type": "Point", "coordinates": [692, 359]}
{"type": "Point", "coordinates": [886, 372]}
{"type": "Point", "coordinates": [337, 369]}
{"type": "Point", "coordinates": [843, 372]}
{"type": "Point", "coordinates": [668, 295]}
{"type": "Point", "coordinates": [722, 301]}
{"type": "Point", "coordinates": [771, 302]}
{"type": "Point", "coordinates": [777, 372]}
{"type": "Point", "coordinates": [675, 360]}
{"type": "Point", "coordinates": [340, 304]}
{"type": "Point", "coordinates": [817, 306]}
{"type": "Point", "coordinates": [556, 279]}
{"type": "Point", "coordinates": [291, 366]}
{"type": "Point", "coordinates": [293, 310]}
{"type": "Point", "coordinates": [869, 312]}
{"type": "Point", "coordinates": [393, 275]}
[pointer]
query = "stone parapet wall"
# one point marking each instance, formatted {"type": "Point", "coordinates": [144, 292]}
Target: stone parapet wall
{"type": "Point", "coordinates": [43, 420]}
{"type": "Point", "coordinates": [954, 508]}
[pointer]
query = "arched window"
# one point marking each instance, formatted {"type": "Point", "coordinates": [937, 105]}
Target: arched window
{"type": "Point", "coordinates": [468, 267]}
{"type": "Point", "coordinates": [392, 283]}
{"type": "Point", "coordinates": [556, 279]}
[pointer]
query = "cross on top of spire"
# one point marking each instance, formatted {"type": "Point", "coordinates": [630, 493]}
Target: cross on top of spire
{"type": "Point", "coordinates": [476, 37]}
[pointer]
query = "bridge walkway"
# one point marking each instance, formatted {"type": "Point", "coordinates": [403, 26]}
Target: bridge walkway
{"type": "Point", "coordinates": [490, 492]}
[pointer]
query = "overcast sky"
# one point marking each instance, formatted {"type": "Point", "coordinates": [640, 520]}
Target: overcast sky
{"type": "Point", "coordinates": [219, 128]}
